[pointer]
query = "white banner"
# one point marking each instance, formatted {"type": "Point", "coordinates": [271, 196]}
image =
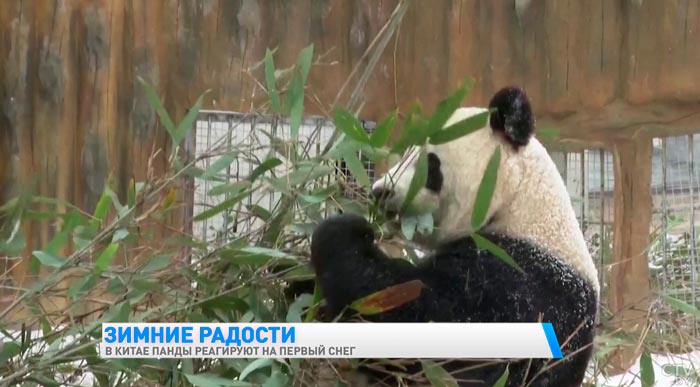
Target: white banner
{"type": "Point", "coordinates": [329, 340]}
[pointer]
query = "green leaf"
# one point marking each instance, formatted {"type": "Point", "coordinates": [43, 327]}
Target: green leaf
{"type": "Point", "coordinates": [420, 176]}
{"type": "Point", "coordinates": [682, 306]}
{"type": "Point", "coordinates": [59, 241]}
{"type": "Point", "coordinates": [264, 167]}
{"type": "Point", "coordinates": [485, 244]}
{"type": "Point", "coordinates": [131, 194]}
{"type": "Point", "coordinates": [187, 123]}
{"type": "Point", "coordinates": [44, 379]}
{"type": "Point", "coordinates": [221, 207]}
{"type": "Point", "coordinates": [270, 81]}
{"type": "Point", "coordinates": [313, 310]}
{"type": "Point", "coordinates": [646, 370]}
{"type": "Point", "coordinates": [100, 210]}
{"type": "Point", "coordinates": [259, 211]}
{"type": "Point", "coordinates": [232, 188]}
{"type": "Point", "coordinates": [294, 103]}
{"type": "Point", "coordinates": [389, 298]}
{"type": "Point", "coordinates": [301, 175]}
{"type": "Point", "coordinates": [209, 380]}
{"type": "Point", "coordinates": [105, 258]}
{"type": "Point", "coordinates": [448, 106]}
{"type": "Point", "coordinates": [277, 379]}
{"type": "Point", "coordinates": [155, 103]}
{"type": "Point", "coordinates": [222, 162]}
{"type": "Point", "coordinates": [350, 125]}
{"type": "Point", "coordinates": [254, 366]}
{"type": "Point", "coordinates": [357, 169]}
{"type": "Point", "coordinates": [266, 251]}
{"type": "Point", "coordinates": [294, 311]}
{"type": "Point", "coordinates": [49, 259]}
{"type": "Point", "coordinates": [460, 129]}
{"type": "Point", "coordinates": [304, 61]}
{"type": "Point", "coordinates": [414, 132]}
{"type": "Point", "coordinates": [425, 224]}
{"type": "Point", "coordinates": [8, 350]}
{"type": "Point", "coordinates": [86, 283]}
{"type": "Point", "coordinates": [120, 235]}
{"type": "Point", "coordinates": [156, 262]}
{"type": "Point", "coordinates": [254, 255]}
{"type": "Point", "coordinates": [501, 382]}
{"type": "Point", "coordinates": [408, 226]}
{"type": "Point", "coordinates": [437, 376]}
{"type": "Point", "coordinates": [382, 132]}
{"type": "Point", "coordinates": [486, 190]}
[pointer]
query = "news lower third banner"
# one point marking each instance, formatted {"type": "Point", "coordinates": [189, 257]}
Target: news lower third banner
{"type": "Point", "coordinates": [330, 340]}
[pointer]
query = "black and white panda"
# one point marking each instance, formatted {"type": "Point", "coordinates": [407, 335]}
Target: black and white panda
{"type": "Point", "coordinates": [530, 217]}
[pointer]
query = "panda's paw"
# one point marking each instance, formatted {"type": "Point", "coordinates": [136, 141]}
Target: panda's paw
{"type": "Point", "coordinates": [347, 235]}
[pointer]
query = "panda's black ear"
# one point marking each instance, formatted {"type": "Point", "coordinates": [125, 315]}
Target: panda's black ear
{"type": "Point", "coordinates": [513, 116]}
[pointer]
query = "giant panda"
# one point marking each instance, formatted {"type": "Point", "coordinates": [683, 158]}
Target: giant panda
{"type": "Point", "coordinates": [530, 217]}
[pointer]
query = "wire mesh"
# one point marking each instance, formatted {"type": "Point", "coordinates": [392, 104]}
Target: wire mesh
{"type": "Point", "coordinates": [253, 138]}
{"type": "Point", "coordinates": [673, 254]}
{"type": "Point", "coordinates": [590, 181]}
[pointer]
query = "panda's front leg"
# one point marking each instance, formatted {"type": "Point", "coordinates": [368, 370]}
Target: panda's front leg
{"type": "Point", "coordinates": [349, 265]}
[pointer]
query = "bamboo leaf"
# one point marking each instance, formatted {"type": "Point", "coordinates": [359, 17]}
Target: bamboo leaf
{"type": "Point", "coordinates": [255, 365]}
{"type": "Point", "coordinates": [389, 298]}
{"type": "Point", "coordinates": [155, 103]}
{"type": "Point", "coordinates": [221, 207]}
{"type": "Point", "coordinates": [187, 123]}
{"type": "Point", "coordinates": [209, 380]}
{"type": "Point", "coordinates": [420, 177]}
{"type": "Point", "coordinates": [264, 167]}
{"type": "Point", "coordinates": [270, 81]}
{"type": "Point", "coordinates": [382, 132]}
{"type": "Point", "coordinates": [437, 376]}
{"type": "Point", "coordinates": [460, 129]}
{"type": "Point", "coordinates": [447, 107]}
{"type": "Point", "coordinates": [485, 244]}
{"type": "Point", "coordinates": [222, 162]}
{"type": "Point", "coordinates": [49, 259]}
{"type": "Point", "coordinates": [350, 125]}
{"type": "Point", "coordinates": [646, 370]}
{"type": "Point", "coordinates": [682, 306]}
{"type": "Point", "coordinates": [105, 258]}
{"type": "Point", "coordinates": [501, 382]}
{"type": "Point", "coordinates": [295, 97]}
{"type": "Point", "coordinates": [486, 190]}
{"type": "Point", "coordinates": [357, 169]}
{"type": "Point", "coordinates": [409, 224]}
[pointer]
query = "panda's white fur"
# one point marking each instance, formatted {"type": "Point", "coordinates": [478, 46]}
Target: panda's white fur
{"type": "Point", "coordinates": [530, 197]}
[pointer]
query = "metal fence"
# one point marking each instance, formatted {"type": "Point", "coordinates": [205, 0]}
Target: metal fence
{"type": "Point", "coordinates": [252, 138]}
{"type": "Point", "coordinates": [673, 255]}
{"type": "Point", "coordinates": [590, 180]}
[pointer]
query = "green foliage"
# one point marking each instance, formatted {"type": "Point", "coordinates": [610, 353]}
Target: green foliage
{"type": "Point", "coordinates": [646, 370]}
{"type": "Point", "coordinates": [437, 376]}
{"type": "Point", "coordinates": [501, 382]}
{"type": "Point", "coordinates": [486, 189]}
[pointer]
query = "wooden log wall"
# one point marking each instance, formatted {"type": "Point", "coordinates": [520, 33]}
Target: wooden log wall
{"type": "Point", "coordinates": [72, 112]}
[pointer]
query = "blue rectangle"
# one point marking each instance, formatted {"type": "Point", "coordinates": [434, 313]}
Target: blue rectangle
{"type": "Point", "coordinates": [552, 340]}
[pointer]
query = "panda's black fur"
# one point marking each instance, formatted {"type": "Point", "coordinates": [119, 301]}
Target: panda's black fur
{"type": "Point", "coordinates": [464, 284]}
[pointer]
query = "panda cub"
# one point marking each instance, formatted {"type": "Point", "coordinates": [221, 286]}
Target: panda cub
{"type": "Point", "coordinates": [530, 217]}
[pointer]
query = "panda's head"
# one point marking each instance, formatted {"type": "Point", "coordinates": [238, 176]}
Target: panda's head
{"type": "Point", "coordinates": [530, 199]}
{"type": "Point", "coordinates": [455, 169]}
